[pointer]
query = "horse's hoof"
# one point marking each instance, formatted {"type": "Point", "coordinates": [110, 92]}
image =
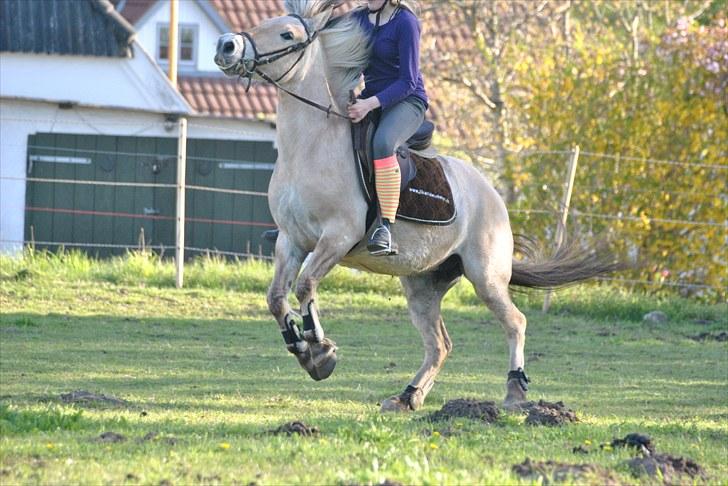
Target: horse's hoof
{"type": "Point", "coordinates": [515, 396]}
{"type": "Point", "coordinates": [395, 404]}
{"type": "Point", "coordinates": [319, 359]}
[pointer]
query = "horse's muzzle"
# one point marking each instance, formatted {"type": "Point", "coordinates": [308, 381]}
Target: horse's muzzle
{"type": "Point", "coordinates": [229, 52]}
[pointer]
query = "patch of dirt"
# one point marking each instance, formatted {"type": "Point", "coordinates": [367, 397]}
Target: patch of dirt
{"type": "Point", "coordinates": [132, 477]}
{"type": "Point", "coordinates": [468, 408]}
{"type": "Point", "coordinates": [110, 437]}
{"type": "Point", "coordinates": [155, 436]}
{"type": "Point", "coordinates": [667, 466]}
{"type": "Point", "coordinates": [82, 396]}
{"type": "Point", "coordinates": [533, 357]}
{"type": "Point", "coordinates": [580, 450]}
{"type": "Point", "coordinates": [547, 413]}
{"type": "Point", "coordinates": [720, 336]}
{"type": "Point", "coordinates": [642, 443]}
{"type": "Point", "coordinates": [208, 479]}
{"type": "Point", "coordinates": [296, 427]}
{"type": "Point", "coordinates": [555, 472]}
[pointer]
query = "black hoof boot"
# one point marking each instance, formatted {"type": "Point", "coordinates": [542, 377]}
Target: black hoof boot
{"type": "Point", "coordinates": [380, 243]}
{"type": "Point", "coordinates": [270, 235]}
{"type": "Point", "coordinates": [312, 330]}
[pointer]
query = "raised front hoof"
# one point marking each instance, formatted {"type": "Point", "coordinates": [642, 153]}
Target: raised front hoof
{"type": "Point", "coordinates": [319, 359]}
{"type": "Point", "coordinates": [515, 396]}
{"type": "Point", "coordinates": [395, 404]}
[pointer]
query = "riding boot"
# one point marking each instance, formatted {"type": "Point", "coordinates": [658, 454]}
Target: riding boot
{"type": "Point", "coordinates": [380, 243]}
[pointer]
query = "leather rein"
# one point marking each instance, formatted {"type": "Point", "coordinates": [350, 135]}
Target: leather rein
{"type": "Point", "coordinates": [250, 66]}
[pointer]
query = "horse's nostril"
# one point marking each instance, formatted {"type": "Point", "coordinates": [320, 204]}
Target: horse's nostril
{"type": "Point", "coordinates": [228, 47]}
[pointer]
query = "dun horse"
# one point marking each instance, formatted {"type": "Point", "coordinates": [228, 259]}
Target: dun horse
{"type": "Point", "coordinates": [316, 201]}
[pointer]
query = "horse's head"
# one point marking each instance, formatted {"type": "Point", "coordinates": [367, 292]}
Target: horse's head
{"type": "Point", "coordinates": [272, 50]}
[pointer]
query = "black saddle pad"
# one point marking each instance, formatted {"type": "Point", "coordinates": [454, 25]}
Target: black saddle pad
{"type": "Point", "coordinates": [428, 197]}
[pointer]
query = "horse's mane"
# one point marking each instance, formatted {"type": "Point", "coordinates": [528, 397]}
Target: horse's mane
{"type": "Point", "coordinates": [344, 43]}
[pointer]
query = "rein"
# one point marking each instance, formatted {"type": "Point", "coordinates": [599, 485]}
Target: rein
{"type": "Point", "coordinates": [250, 68]}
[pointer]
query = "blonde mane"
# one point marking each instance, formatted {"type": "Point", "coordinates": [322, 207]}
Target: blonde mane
{"type": "Point", "coordinates": [344, 43]}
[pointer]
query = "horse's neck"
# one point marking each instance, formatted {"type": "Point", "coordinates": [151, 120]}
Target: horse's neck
{"type": "Point", "coordinates": [306, 136]}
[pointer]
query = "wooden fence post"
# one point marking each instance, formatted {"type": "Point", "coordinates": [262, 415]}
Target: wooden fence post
{"type": "Point", "coordinates": [561, 225]}
{"type": "Point", "coordinates": [173, 38]}
{"type": "Point", "coordinates": [180, 219]}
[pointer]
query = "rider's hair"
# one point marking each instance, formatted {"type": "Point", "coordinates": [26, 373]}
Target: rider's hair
{"type": "Point", "coordinates": [411, 5]}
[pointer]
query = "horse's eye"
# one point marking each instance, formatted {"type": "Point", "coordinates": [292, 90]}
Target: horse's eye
{"type": "Point", "coordinates": [287, 35]}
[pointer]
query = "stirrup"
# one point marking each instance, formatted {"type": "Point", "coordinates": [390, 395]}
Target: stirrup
{"type": "Point", "coordinates": [380, 243]}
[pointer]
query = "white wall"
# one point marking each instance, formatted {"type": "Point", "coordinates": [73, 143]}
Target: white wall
{"type": "Point", "coordinates": [132, 83]}
{"type": "Point", "coordinates": [189, 13]}
{"type": "Point", "coordinates": [20, 118]}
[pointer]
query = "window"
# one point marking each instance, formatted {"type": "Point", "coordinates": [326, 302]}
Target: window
{"type": "Point", "coordinates": [187, 43]}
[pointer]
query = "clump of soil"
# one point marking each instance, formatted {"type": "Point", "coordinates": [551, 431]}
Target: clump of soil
{"type": "Point", "coordinates": [468, 408]}
{"type": "Point", "coordinates": [296, 427]}
{"type": "Point", "coordinates": [643, 443]}
{"type": "Point", "coordinates": [547, 413]}
{"type": "Point", "coordinates": [557, 472]}
{"type": "Point", "coordinates": [720, 336]}
{"type": "Point", "coordinates": [668, 467]}
{"type": "Point", "coordinates": [110, 437]}
{"type": "Point", "coordinates": [82, 396]}
{"type": "Point", "coordinates": [155, 436]}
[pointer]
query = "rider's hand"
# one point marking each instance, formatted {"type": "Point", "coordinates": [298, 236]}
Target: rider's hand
{"type": "Point", "coordinates": [359, 110]}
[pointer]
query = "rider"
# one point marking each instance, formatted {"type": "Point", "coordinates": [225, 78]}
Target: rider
{"type": "Point", "coordinates": [392, 83]}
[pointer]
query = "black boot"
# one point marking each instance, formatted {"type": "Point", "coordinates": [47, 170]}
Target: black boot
{"type": "Point", "coordinates": [380, 243]}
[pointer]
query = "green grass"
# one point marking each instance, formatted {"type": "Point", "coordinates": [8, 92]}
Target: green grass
{"type": "Point", "coordinates": [205, 368]}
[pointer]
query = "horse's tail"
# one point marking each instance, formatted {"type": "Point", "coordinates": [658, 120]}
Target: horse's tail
{"type": "Point", "coordinates": [570, 264]}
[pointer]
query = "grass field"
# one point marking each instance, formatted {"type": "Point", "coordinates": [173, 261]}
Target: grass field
{"type": "Point", "coordinates": [205, 369]}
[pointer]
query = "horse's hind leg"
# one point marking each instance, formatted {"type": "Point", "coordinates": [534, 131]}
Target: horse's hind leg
{"type": "Point", "coordinates": [424, 294]}
{"type": "Point", "coordinates": [490, 276]}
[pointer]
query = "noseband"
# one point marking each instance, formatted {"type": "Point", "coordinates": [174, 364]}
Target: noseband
{"type": "Point", "coordinates": [250, 66]}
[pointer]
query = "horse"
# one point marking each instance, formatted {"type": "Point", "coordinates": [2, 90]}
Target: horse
{"type": "Point", "coordinates": [315, 59]}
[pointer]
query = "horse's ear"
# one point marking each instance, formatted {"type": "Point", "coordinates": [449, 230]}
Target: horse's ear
{"type": "Point", "coordinates": [318, 21]}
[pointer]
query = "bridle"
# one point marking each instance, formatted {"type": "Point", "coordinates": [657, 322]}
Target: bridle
{"type": "Point", "coordinates": [250, 66]}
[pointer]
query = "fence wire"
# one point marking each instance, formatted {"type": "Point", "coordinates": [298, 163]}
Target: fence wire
{"type": "Point", "coordinates": [544, 202]}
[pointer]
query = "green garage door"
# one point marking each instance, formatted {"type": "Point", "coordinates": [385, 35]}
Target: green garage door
{"type": "Point", "coordinates": [126, 203]}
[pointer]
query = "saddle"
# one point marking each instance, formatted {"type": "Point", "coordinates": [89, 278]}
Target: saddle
{"type": "Point", "coordinates": [425, 193]}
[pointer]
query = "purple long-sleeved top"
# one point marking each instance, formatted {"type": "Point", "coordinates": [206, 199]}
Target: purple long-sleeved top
{"type": "Point", "coordinates": [393, 72]}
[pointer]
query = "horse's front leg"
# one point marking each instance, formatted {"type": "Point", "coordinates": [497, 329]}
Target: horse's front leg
{"type": "Point", "coordinates": [288, 262]}
{"type": "Point", "coordinates": [327, 253]}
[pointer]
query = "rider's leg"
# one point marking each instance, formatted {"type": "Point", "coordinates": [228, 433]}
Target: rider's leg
{"type": "Point", "coordinates": [396, 125]}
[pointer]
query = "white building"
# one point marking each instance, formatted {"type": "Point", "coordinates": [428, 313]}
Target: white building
{"type": "Point", "coordinates": [99, 75]}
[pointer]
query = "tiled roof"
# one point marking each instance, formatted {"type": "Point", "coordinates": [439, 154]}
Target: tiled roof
{"type": "Point", "coordinates": [244, 14]}
{"type": "Point", "coordinates": [82, 28]}
{"type": "Point", "coordinates": [133, 10]}
{"type": "Point", "coordinates": [226, 97]}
